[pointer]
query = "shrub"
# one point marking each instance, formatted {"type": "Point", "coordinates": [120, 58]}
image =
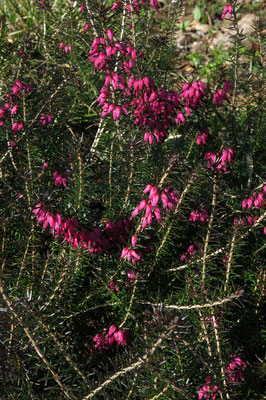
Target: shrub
{"type": "Point", "coordinates": [132, 207]}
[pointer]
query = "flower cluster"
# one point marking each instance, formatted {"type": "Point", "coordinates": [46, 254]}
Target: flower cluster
{"type": "Point", "coordinates": [45, 118]}
{"type": "Point", "coordinates": [65, 47]}
{"type": "Point", "coordinates": [156, 109]}
{"type": "Point", "coordinates": [235, 369]}
{"type": "Point", "coordinates": [258, 201]}
{"type": "Point", "coordinates": [222, 162]}
{"type": "Point", "coordinates": [234, 373]}
{"type": "Point", "coordinates": [200, 216]}
{"type": "Point", "coordinates": [153, 109]}
{"type": "Point", "coordinates": [130, 254]}
{"type": "Point", "coordinates": [114, 336]}
{"type": "Point", "coordinates": [193, 94]}
{"type": "Point", "coordinates": [208, 391]}
{"type": "Point", "coordinates": [93, 241]}
{"type": "Point", "coordinates": [169, 200]}
{"type": "Point", "coordinates": [191, 251]}
{"type": "Point", "coordinates": [113, 287]}
{"type": "Point", "coordinates": [132, 275]}
{"type": "Point", "coordinates": [228, 9]}
{"type": "Point", "coordinates": [245, 221]}
{"type": "Point", "coordinates": [202, 138]}
{"type": "Point", "coordinates": [60, 180]}
{"type": "Point", "coordinates": [220, 96]}
{"type": "Point", "coordinates": [11, 106]}
{"type": "Point", "coordinates": [17, 126]}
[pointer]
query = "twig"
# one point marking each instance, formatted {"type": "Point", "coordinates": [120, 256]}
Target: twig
{"type": "Point", "coordinates": [197, 306]}
{"type": "Point", "coordinates": [206, 243]}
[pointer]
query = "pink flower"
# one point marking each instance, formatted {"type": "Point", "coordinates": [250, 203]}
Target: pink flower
{"type": "Point", "coordinates": [14, 109]}
{"type": "Point", "coordinates": [201, 139]}
{"type": "Point", "coordinates": [45, 118]}
{"type": "Point", "coordinates": [110, 34]}
{"type": "Point", "coordinates": [86, 27]}
{"type": "Point", "coordinates": [202, 216]}
{"type": "Point", "coordinates": [112, 330]}
{"type": "Point", "coordinates": [250, 202]}
{"type": "Point", "coordinates": [124, 252]}
{"type": "Point", "coordinates": [130, 254]}
{"type": "Point", "coordinates": [193, 216]}
{"type": "Point", "coordinates": [208, 392]}
{"type": "Point", "coordinates": [134, 240]}
{"type": "Point", "coordinates": [154, 3]}
{"type": "Point", "coordinates": [45, 165]}
{"type": "Point", "coordinates": [244, 203]}
{"type": "Point", "coordinates": [147, 189]}
{"type": "Point", "coordinates": [105, 341]}
{"type": "Point", "coordinates": [116, 112]}
{"type": "Point", "coordinates": [132, 275]}
{"type": "Point", "coordinates": [155, 200]}
{"type": "Point", "coordinates": [153, 192]}
{"type": "Point", "coordinates": [235, 369]}
{"type": "Point", "coordinates": [17, 126]}
{"type": "Point", "coordinates": [59, 179]}
{"type": "Point", "coordinates": [121, 337]}
{"type": "Point", "coordinates": [65, 47]}
{"type": "Point", "coordinates": [180, 118]}
{"type": "Point", "coordinates": [116, 4]}
{"type": "Point", "coordinates": [227, 9]}
{"type": "Point", "coordinates": [68, 48]}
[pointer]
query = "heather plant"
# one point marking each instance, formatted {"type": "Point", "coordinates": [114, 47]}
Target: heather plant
{"type": "Point", "coordinates": [132, 206]}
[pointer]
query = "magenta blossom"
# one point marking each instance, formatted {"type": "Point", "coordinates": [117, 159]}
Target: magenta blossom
{"type": "Point", "coordinates": [235, 369]}
{"type": "Point", "coordinates": [132, 275]}
{"type": "Point", "coordinates": [17, 126]}
{"type": "Point", "coordinates": [208, 392]}
{"type": "Point", "coordinates": [130, 254]}
{"type": "Point", "coordinates": [65, 47]}
{"type": "Point", "coordinates": [14, 109]}
{"type": "Point", "coordinates": [228, 9]}
{"type": "Point", "coordinates": [86, 27]}
{"type": "Point", "coordinates": [45, 118]}
{"type": "Point", "coordinates": [106, 341]}
{"type": "Point", "coordinates": [59, 179]}
{"type": "Point", "coordinates": [114, 287]}
{"type": "Point", "coordinates": [201, 216]}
